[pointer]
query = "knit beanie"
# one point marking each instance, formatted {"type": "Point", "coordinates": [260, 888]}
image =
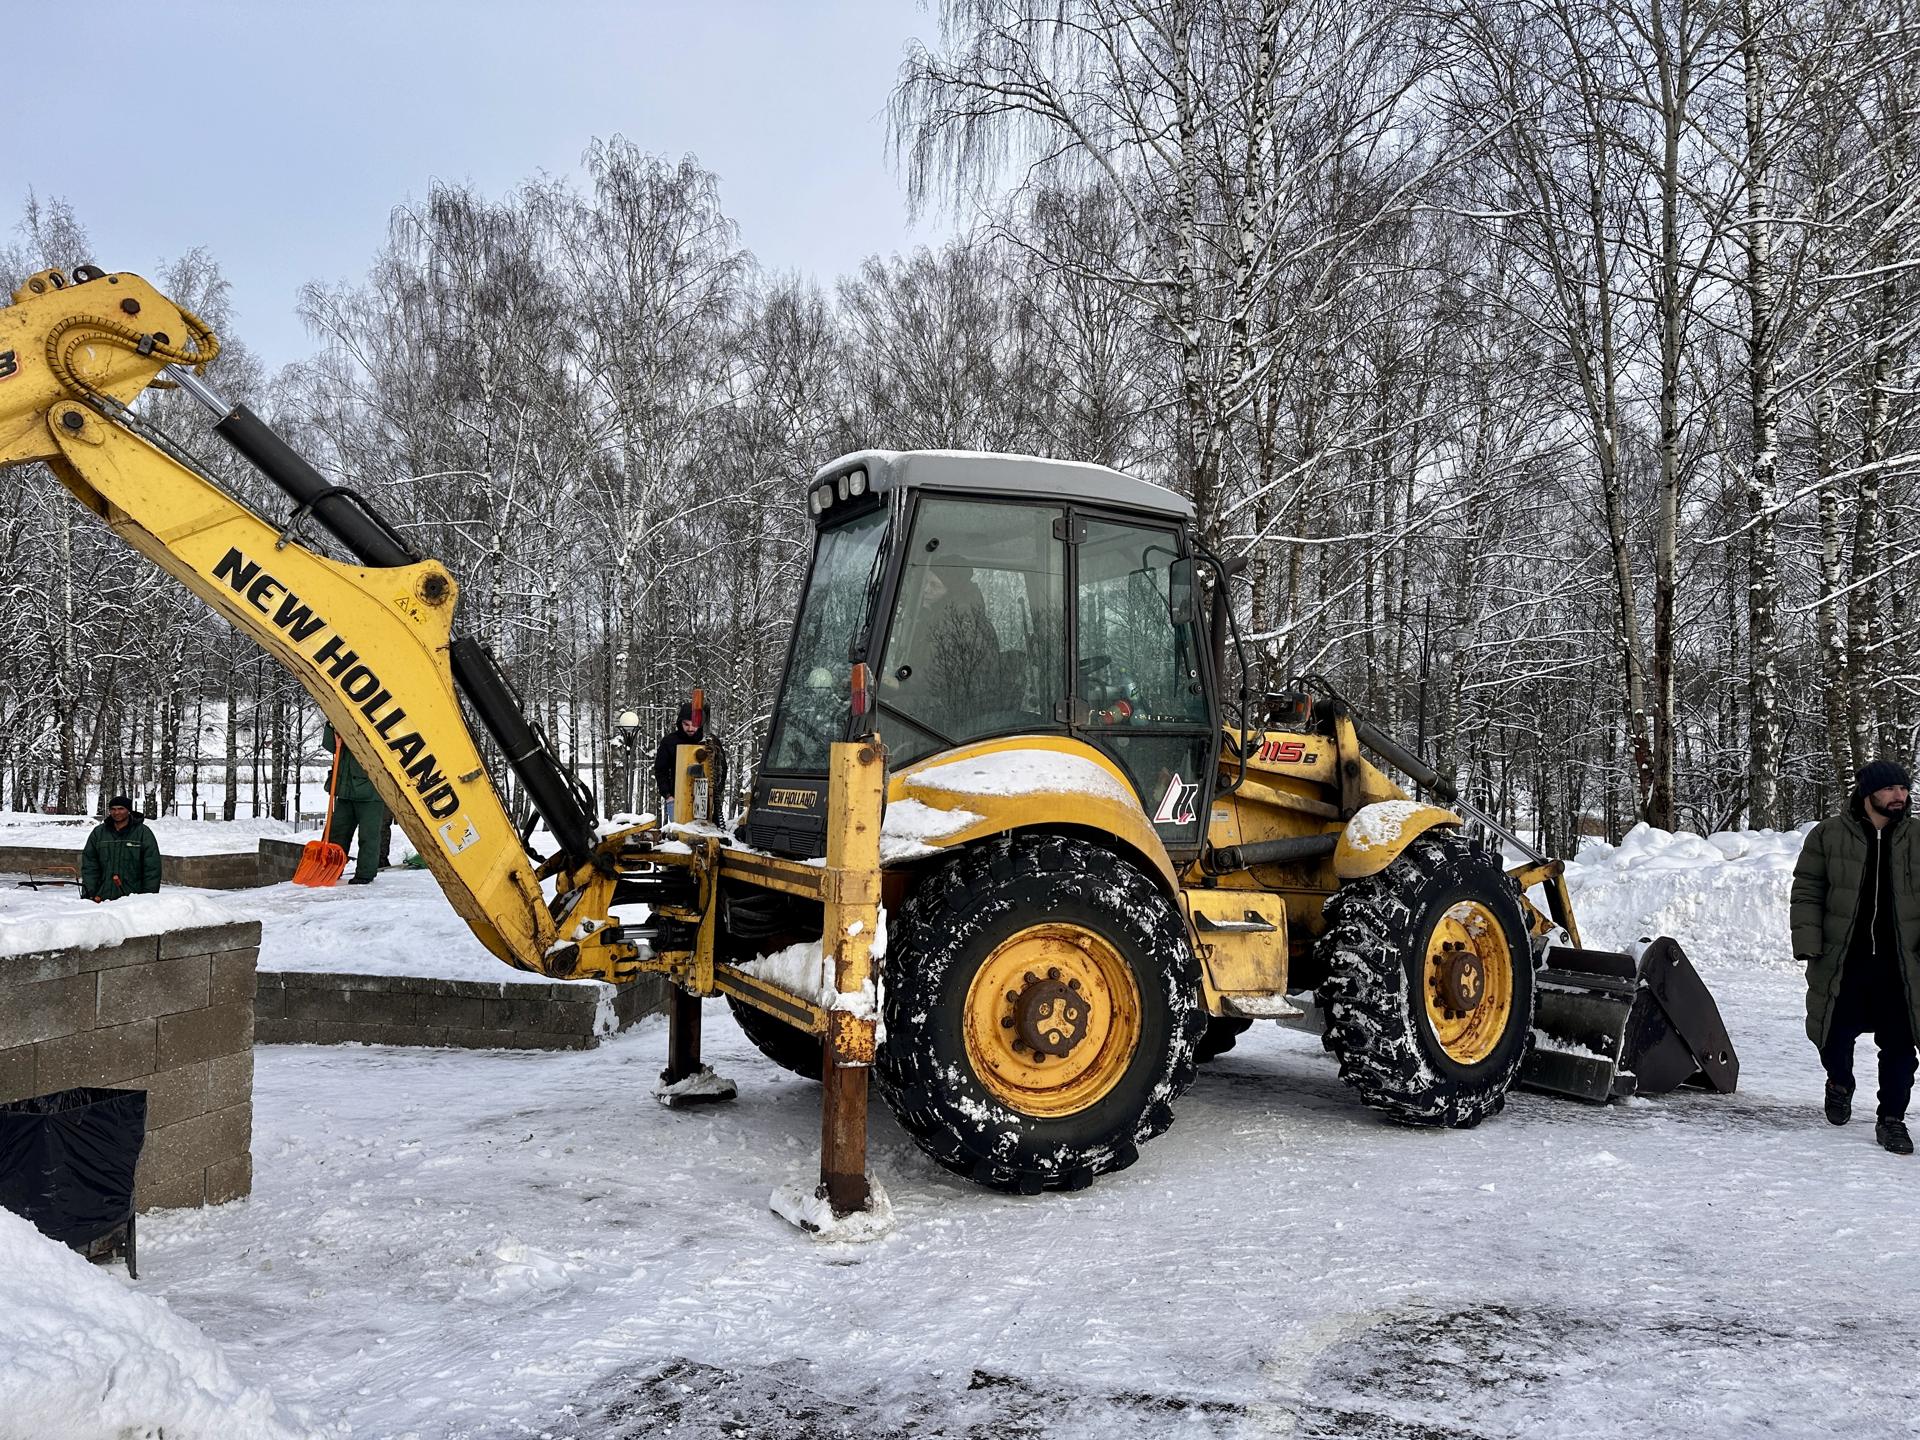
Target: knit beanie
{"type": "Point", "coordinates": [120, 800]}
{"type": "Point", "coordinates": [1878, 775]}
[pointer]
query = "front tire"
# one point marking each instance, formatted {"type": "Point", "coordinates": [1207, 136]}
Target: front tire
{"type": "Point", "coordinates": [1429, 991]}
{"type": "Point", "coordinates": [1042, 1010]}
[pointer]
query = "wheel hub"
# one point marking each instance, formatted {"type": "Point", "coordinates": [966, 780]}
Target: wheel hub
{"type": "Point", "coordinates": [1052, 1019]}
{"type": "Point", "coordinates": [1047, 1015]}
{"type": "Point", "coordinates": [1459, 980]}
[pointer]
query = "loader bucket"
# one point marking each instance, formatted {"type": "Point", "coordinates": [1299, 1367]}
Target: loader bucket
{"type": "Point", "coordinates": [321, 864]}
{"type": "Point", "coordinates": [1607, 1026]}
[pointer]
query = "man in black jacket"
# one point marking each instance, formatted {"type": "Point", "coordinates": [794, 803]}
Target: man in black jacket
{"type": "Point", "coordinates": [688, 730]}
{"type": "Point", "coordinates": [1856, 927]}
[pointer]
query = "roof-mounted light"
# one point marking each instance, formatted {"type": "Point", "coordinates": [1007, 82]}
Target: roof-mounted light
{"type": "Point", "coordinates": [841, 486]}
{"type": "Point", "coordinates": [857, 482]}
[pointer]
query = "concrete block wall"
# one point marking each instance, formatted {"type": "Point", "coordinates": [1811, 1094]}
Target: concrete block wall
{"type": "Point", "coordinates": [169, 1014]}
{"type": "Point", "coordinates": [307, 1008]}
{"type": "Point", "coordinates": [236, 871]}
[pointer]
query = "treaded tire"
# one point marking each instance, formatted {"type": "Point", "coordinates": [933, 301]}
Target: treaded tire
{"type": "Point", "coordinates": [788, 1046]}
{"type": "Point", "coordinates": [954, 924]}
{"type": "Point", "coordinates": [1374, 953]}
{"type": "Point", "coordinates": [1222, 1034]}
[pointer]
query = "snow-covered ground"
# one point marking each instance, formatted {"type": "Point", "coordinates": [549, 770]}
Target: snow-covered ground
{"type": "Point", "coordinates": [459, 1244]}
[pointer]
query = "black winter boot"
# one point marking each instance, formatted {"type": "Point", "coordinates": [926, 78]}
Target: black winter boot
{"type": "Point", "coordinates": [1839, 1104]}
{"type": "Point", "coordinates": [1893, 1136]}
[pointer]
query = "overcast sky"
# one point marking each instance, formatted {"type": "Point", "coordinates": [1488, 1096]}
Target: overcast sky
{"type": "Point", "coordinates": [280, 133]}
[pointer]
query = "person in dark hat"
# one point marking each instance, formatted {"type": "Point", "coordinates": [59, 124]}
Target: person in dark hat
{"type": "Point", "coordinates": [121, 856]}
{"type": "Point", "coordinates": [1856, 927]}
{"type": "Point", "coordinates": [689, 729]}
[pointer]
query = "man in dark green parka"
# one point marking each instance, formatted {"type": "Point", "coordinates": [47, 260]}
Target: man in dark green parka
{"type": "Point", "coordinates": [121, 856]}
{"type": "Point", "coordinates": [356, 807]}
{"type": "Point", "coordinates": [1856, 927]}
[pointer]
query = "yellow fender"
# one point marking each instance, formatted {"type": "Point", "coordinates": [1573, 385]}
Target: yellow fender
{"type": "Point", "coordinates": [1379, 833]}
{"type": "Point", "coordinates": [1021, 782]}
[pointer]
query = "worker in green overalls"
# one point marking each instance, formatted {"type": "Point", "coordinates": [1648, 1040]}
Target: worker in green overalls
{"type": "Point", "coordinates": [356, 807]}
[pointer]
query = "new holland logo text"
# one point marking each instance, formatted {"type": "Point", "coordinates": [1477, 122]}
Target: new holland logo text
{"type": "Point", "coordinates": [792, 799]}
{"type": "Point", "coordinates": [354, 678]}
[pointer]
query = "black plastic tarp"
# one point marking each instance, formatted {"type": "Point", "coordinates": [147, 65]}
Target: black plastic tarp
{"type": "Point", "coordinates": [67, 1160]}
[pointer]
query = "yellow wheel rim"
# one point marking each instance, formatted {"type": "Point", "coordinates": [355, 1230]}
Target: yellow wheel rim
{"type": "Point", "coordinates": [1467, 982]}
{"type": "Point", "coordinates": [1052, 1020]}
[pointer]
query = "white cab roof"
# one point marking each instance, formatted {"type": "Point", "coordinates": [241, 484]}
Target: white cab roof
{"type": "Point", "coordinates": [1028, 476]}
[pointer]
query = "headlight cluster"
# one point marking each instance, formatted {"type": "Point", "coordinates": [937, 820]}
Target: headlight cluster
{"type": "Point", "coordinates": [850, 486]}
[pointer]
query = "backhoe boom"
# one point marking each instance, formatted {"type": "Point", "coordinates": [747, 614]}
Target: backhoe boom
{"type": "Point", "coordinates": [371, 643]}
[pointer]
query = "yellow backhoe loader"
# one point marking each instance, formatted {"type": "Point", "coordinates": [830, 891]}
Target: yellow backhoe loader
{"type": "Point", "coordinates": [1022, 844]}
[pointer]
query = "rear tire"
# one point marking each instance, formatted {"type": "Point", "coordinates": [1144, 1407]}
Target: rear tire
{"type": "Point", "coordinates": [1042, 1011]}
{"type": "Point", "coordinates": [788, 1046]}
{"type": "Point", "coordinates": [1429, 992]}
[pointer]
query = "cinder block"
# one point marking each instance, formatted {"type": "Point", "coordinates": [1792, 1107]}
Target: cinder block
{"type": "Point", "coordinates": [202, 1034]}
{"type": "Point", "coordinates": [42, 965]}
{"type": "Point", "coordinates": [48, 1008]}
{"type": "Point", "coordinates": [18, 1073]}
{"type": "Point", "coordinates": [370, 984]}
{"type": "Point", "coordinates": [110, 1056]}
{"type": "Point", "coordinates": [141, 950]}
{"type": "Point", "coordinates": [530, 1011]}
{"type": "Point", "coordinates": [205, 939]}
{"type": "Point", "coordinates": [197, 1143]}
{"type": "Point", "coordinates": [229, 1179]}
{"type": "Point", "coordinates": [316, 1032]}
{"type": "Point", "coordinates": [186, 1189]}
{"type": "Point", "coordinates": [177, 1094]}
{"type": "Point", "coordinates": [233, 976]}
{"type": "Point", "coordinates": [230, 1078]}
{"type": "Point", "coordinates": [461, 1011]}
{"type": "Point", "coordinates": [165, 987]}
{"type": "Point", "coordinates": [323, 1005]}
{"type": "Point", "coordinates": [269, 997]}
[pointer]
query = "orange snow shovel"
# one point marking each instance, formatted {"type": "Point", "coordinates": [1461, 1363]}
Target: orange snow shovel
{"type": "Point", "coordinates": [322, 862]}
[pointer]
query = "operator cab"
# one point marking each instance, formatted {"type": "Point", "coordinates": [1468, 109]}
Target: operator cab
{"type": "Point", "coordinates": [991, 596]}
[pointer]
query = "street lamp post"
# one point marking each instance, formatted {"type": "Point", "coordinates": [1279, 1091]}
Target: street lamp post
{"type": "Point", "coordinates": [629, 727]}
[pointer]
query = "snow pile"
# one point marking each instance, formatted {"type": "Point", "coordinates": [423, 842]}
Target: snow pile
{"type": "Point", "coordinates": [33, 920]}
{"type": "Point", "coordinates": [1723, 897]}
{"type": "Point", "coordinates": [176, 834]}
{"type": "Point", "coordinates": [806, 970]}
{"type": "Point", "coordinates": [85, 1357]}
{"type": "Point", "coordinates": [799, 970]}
{"type": "Point", "coordinates": [801, 1204]}
{"type": "Point", "coordinates": [911, 826]}
{"type": "Point", "coordinates": [1017, 772]}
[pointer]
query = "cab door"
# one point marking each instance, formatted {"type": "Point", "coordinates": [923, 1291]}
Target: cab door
{"type": "Point", "coordinates": [1138, 690]}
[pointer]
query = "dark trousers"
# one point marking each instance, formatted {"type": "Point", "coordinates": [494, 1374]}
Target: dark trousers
{"type": "Point", "coordinates": [1892, 1030]}
{"type": "Point", "coordinates": [366, 817]}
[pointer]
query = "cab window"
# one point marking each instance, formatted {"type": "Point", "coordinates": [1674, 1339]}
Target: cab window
{"type": "Point", "coordinates": [976, 646]}
{"type": "Point", "coordinates": [1138, 670]}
